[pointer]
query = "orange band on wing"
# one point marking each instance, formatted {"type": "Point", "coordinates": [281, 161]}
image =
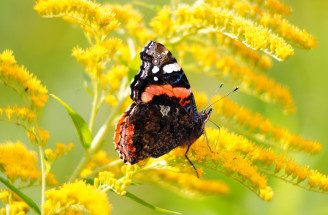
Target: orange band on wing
{"type": "Point", "coordinates": [118, 130]}
{"type": "Point", "coordinates": [156, 90]}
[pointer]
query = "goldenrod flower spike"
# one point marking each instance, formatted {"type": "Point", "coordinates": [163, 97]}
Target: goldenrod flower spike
{"type": "Point", "coordinates": [94, 19]}
{"type": "Point", "coordinates": [229, 69]}
{"type": "Point", "coordinates": [23, 82]}
{"type": "Point", "coordinates": [184, 184]}
{"type": "Point", "coordinates": [17, 162]}
{"type": "Point", "coordinates": [260, 128]}
{"type": "Point", "coordinates": [76, 198]}
{"type": "Point", "coordinates": [230, 24]}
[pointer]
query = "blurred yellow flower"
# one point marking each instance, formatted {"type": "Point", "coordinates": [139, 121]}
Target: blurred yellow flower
{"type": "Point", "coordinates": [17, 162]}
{"type": "Point", "coordinates": [76, 198]}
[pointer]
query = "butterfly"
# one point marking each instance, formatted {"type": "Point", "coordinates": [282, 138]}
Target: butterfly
{"type": "Point", "coordinates": [163, 114]}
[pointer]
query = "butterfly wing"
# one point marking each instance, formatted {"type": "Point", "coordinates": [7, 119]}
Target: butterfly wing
{"type": "Point", "coordinates": [161, 80]}
{"type": "Point", "coordinates": [150, 130]}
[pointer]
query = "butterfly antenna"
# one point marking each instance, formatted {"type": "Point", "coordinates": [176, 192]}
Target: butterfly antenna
{"type": "Point", "coordinates": [223, 97]}
{"type": "Point", "coordinates": [191, 162]}
{"type": "Point", "coordinates": [215, 92]}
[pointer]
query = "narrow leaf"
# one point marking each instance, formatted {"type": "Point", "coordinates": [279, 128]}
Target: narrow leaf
{"type": "Point", "coordinates": [148, 205]}
{"type": "Point", "coordinates": [24, 197]}
{"type": "Point", "coordinates": [81, 126]}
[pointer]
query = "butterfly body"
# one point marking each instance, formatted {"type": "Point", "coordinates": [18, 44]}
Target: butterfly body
{"type": "Point", "coordinates": [163, 115]}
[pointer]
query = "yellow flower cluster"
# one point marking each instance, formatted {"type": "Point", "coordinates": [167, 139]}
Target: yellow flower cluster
{"type": "Point", "coordinates": [17, 162]}
{"type": "Point", "coordinates": [113, 79]}
{"type": "Point", "coordinates": [132, 21]}
{"type": "Point", "coordinates": [227, 22]}
{"type": "Point", "coordinates": [251, 82]}
{"type": "Point", "coordinates": [299, 38]}
{"type": "Point", "coordinates": [261, 128]}
{"type": "Point", "coordinates": [250, 57]}
{"type": "Point", "coordinates": [94, 19]}
{"type": "Point", "coordinates": [61, 150]}
{"type": "Point", "coordinates": [22, 81]}
{"type": "Point", "coordinates": [20, 113]}
{"type": "Point", "coordinates": [51, 179]}
{"type": "Point", "coordinates": [184, 183]}
{"type": "Point", "coordinates": [107, 181]}
{"type": "Point", "coordinates": [76, 198]}
{"type": "Point", "coordinates": [38, 136]}
{"type": "Point", "coordinates": [94, 59]}
{"type": "Point", "coordinates": [277, 7]}
{"type": "Point", "coordinates": [15, 208]}
{"type": "Point", "coordinates": [228, 162]}
{"type": "Point", "coordinates": [162, 23]}
{"type": "Point", "coordinates": [271, 16]}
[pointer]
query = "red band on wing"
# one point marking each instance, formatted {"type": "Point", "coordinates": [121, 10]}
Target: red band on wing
{"type": "Point", "coordinates": [156, 90]}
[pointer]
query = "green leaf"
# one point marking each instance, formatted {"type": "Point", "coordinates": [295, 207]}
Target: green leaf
{"type": "Point", "coordinates": [81, 126]}
{"type": "Point", "coordinates": [24, 197]}
{"type": "Point", "coordinates": [133, 67]}
{"type": "Point", "coordinates": [148, 205]}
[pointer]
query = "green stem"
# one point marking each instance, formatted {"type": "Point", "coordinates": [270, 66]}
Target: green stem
{"type": "Point", "coordinates": [94, 106]}
{"type": "Point", "coordinates": [97, 141]}
{"type": "Point", "coordinates": [80, 167]}
{"type": "Point", "coordinates": [43, 177]}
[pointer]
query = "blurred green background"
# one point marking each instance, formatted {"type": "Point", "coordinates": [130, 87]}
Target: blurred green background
{"type": "Point", "coordinates": [44, 47]}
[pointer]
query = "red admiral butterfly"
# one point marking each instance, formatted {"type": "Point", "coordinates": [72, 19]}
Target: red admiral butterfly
{"type": "Point", "coordinates": [163, 115]}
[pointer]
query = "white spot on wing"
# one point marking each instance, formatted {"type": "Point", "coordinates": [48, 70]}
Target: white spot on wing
{"type": "Point", "coordinates": [177, 66]}
{"type": "Point", "coordinates": [173, 67]}
{"type": "Point", "coordinates": [155, 78]}
{"type": "Point", "coordinates": [155, 69]}
{"type": "Point", "coordinates": [165, 109]}
{"type": "Point", "coordinates": [167, 69]}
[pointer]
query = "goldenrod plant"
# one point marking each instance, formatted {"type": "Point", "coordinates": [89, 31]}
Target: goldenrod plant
{"type": "Point", "coordinates": [234, 42]}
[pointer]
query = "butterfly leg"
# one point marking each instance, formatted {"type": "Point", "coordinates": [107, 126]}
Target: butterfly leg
{"type": "Point", "coordinates": [190, 161]}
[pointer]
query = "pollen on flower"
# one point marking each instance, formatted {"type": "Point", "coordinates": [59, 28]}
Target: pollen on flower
{"type": "Point", "coordinates": [76, 198]}
{"type": "Point", "coordinates": [17, 162]}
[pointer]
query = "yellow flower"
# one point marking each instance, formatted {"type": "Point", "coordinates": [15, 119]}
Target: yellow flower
{"type": "Point", "coordinates": [231, 24]}
{"type": "Point", "coordinates": [93, 59]}
{"type": "Point", "coordinates": [107, 181]}
{"type": "Point", "coordinates": [51, 179]}
{"type": "Point", "coordinates": [17, 208]}
{"type": "Point", "coordinates": [94, 19]}
{"type": "Point", "coordinates": [17, 162]}
{"type": "Point", "coordinates": [261, 128]}
{"type": "Point", "coordinates": [132, 20]}
{"type": "Point", "coordinates": [22, 81]}
{"type": "Point", "coordinates": [76, 198]}
{"type": "Point", "coordinates": [184, 183]}
{"type": "Point", "coordinates": [4, 194]}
